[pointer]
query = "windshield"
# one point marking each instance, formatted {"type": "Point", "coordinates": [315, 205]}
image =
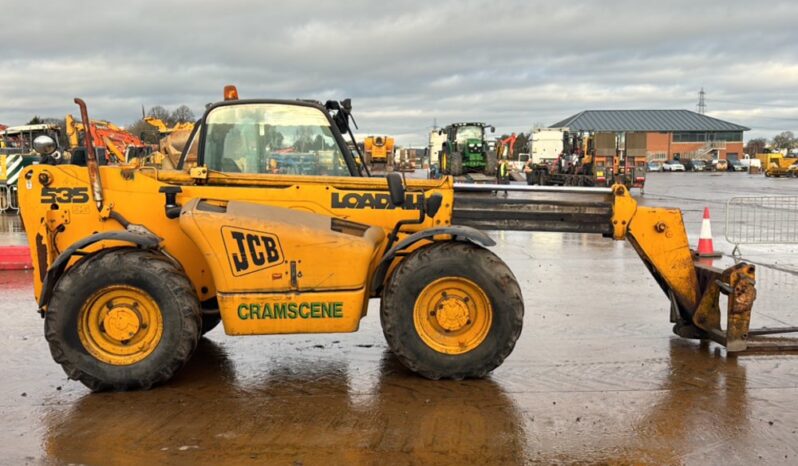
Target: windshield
{"type": "Point", "coordinates": [468, 132]}
{"type": "Point", "coordinates": [272, 138]}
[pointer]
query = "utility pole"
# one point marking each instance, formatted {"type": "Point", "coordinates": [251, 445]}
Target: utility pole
{"type": "Point", "coordinates": [702, 105]}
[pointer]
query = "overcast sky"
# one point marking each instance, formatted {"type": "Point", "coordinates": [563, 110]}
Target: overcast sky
{"type": "Point", "coordinates": [405, 63]}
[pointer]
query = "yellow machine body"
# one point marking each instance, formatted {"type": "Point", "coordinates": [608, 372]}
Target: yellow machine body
{"type": "Point", "coordinates": [336, 259]}
{"type": "Point", "coordinates": [291, 253]}
{"type": "Point", "coordinates": [269, 274]}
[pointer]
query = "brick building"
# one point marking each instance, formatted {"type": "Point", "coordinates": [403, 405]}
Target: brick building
{"type": "Point", "coordinates": [662, 134]}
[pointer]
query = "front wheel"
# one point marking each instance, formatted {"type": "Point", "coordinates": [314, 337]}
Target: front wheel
{"type": "Point", "coordinates": [491, 163]}
{"type": "Point", "coordinates": [123, 319]}
{"type": "Point", "coordinates": [452, 310]}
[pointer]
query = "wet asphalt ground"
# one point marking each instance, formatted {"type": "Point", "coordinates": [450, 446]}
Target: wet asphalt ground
{"type": "Point", "coordinates": [596, 377]}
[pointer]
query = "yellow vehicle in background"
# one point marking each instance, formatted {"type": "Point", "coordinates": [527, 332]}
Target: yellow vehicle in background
{"type": "Point", "coordinates": [114, 144]}
{"type": "Point", "coordinates": [379, 152]}
{"type": "Point", "coordinates": [172, 139]}
{"type": "Point", "coordinates": [275, 230]}
{"type": "Point", "coordinates": [775, 164]}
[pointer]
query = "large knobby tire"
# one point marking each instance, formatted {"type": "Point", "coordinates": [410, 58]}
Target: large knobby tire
{"type": "Point", "coordinates": [492, 163]}
{"type": "Point", "coordinates": [209, 322]}
{"type": "Point", "coordinates": [123, 319]}
{"type": "Point", "coordinates": [455, 163]}
{"type": "Point", "coordinates": [431, 314]}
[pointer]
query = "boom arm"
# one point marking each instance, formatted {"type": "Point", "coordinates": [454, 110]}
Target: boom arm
{"type": "Point", "coordinates": [657, 235]}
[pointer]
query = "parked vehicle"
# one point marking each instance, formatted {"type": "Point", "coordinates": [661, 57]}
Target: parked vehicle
{"type": "Point", "coordinates": [734, 165]}
{"type": "Point", "coordinates": [654, 167]}
{"type": "Point", "coordinates": [696, 165]}
{"type": "Point", "coordinates": [720, 165]}
{"type": "Point", "coordinates": [752, 164]}
{"type": "Point", "coordinates": [699, 165]}
{"type": "Point", "coordinates": [672, 166]}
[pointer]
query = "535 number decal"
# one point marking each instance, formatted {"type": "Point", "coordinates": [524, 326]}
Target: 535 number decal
{"type": "Point", "coordinates": [65, 195]}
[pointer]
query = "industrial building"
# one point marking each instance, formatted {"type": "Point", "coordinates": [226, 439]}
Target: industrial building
{"type": "Point", "coordinates": [661, 134]}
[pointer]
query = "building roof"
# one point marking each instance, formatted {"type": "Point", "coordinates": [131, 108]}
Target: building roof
{"type": "Point", "coordinates": [645, 120]}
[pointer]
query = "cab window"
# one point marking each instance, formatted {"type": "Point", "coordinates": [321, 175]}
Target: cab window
{"type": "Point", "coordinates": [272, 139]}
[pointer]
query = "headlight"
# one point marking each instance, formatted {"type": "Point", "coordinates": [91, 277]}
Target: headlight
{"type": "Point", "coordinates": [44, 145]}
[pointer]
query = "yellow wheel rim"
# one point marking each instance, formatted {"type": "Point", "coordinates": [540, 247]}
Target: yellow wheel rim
{"type": "Point", "coordinates": [120, 325]}
{"type": "Point", "coordinates": [452, 315]}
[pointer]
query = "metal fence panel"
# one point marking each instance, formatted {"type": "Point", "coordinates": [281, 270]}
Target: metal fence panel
{"type": "Point", "coordinates": [5, 198]}
{"type": "Point", "coordinates": [762, 220]}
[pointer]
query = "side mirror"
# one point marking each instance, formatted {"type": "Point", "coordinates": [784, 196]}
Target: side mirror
{"type": "Point", "coordinates": [341, 119]}
{"type": "Point", "coordinates": [346, 104]}
{"type": "Point", "coordinates": [397, 188]}
{"type": "Point", "coordinates": [433, 204]}
{"type": "Point", "coordinates": [492, 129]}
{"type": "Point", "coordinates": [44, 145]}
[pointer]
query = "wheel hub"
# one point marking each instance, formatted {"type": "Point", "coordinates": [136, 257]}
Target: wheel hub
{"type": "Point", "coordinates": [121, 323]}
{"type": "Point", "coordinates": [453, 314]}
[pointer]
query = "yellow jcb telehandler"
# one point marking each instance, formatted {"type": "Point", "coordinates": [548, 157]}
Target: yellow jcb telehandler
{"type": "Point", "coordinates": [268, 225]}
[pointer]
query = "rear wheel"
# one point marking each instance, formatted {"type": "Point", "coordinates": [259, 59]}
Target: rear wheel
{"type": "Point", "coordinates": [452, 310]}
{"type": "Point", "coordinates": [123, 319]}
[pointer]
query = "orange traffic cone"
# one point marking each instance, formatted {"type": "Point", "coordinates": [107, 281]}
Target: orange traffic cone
{"type": "Point", "coordinates": [705, 246]}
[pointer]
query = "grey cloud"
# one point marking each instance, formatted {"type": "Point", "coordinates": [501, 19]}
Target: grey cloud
{"type": "Point", "coordinates": [511, 63]}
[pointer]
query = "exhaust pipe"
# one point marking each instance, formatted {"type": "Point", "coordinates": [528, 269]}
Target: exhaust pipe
{"type": "Point", "coordinates": [91, 156]}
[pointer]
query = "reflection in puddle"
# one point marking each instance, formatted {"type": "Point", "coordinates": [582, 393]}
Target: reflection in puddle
{"type": "Point", "coordinates": [292, 413]}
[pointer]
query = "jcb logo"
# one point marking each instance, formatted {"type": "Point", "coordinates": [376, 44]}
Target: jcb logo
{"type": "Point", "coordinates": [250, 251]}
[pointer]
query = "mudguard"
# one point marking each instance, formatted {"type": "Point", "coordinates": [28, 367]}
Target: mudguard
{"type": "Point", "coordinates": [457, 232]}
{"type": "Point", "coordinates": [55, 271]}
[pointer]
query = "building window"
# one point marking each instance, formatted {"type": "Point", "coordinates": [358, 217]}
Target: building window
{"type": "Point", "coordinates": [730, 136]}
{"type": "Point", "coordinates": [701, 136]}
{"type": "Point", "coordinates": [689, 136]}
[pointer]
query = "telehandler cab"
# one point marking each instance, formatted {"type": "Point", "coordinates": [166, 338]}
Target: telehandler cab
{"type": "Point", "coordinates": [268, 226]}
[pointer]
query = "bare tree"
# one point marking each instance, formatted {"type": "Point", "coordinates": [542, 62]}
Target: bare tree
{"type": "Point", "coordinates": [755, 146]}
{"type": "Point", "coordinates": [784, 140]}
{"type": "Point", "coordinates": [159, 113]}
{"type": "Point", "coordinates": [149, 134]}
{"type": "Point", "coordinates": [182, 114]}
